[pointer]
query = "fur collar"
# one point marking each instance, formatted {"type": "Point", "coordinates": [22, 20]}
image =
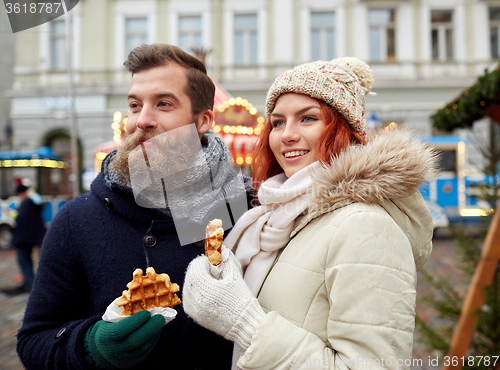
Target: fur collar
{"type": "Point", "coordinates": [391, 165]}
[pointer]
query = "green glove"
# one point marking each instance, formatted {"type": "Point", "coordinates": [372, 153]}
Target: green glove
{"type": "Point", "coordinates": [124, 344]}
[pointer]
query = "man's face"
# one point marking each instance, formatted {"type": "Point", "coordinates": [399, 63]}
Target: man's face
{"type": "Point", "coordinates": [157, 104]}
{"type": "Point", "coordinates": [157, 101]}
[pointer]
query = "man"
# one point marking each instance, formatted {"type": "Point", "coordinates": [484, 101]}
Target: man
{"type": "Point", "coordinates": [28, 233]}
{"type": "Point", "coordinates": [97, 240]}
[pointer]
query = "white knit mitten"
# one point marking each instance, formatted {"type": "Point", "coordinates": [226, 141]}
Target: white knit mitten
{"type": "Point", "coordinates": [226, 305]}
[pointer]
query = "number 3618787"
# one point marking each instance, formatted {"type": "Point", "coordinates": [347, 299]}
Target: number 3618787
{"type": "Point", "coordinates": [470, 360]}
{"type": "Point", "coordinates": [32, 8]}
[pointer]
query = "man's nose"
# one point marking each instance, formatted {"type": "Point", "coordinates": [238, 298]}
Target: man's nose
{"type": "Point", "coordinates": [147, 120]}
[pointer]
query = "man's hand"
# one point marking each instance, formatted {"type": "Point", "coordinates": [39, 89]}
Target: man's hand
{"type": "Point", "coordinates": [226, 305]}
{"type": "Point", "coordinates": [123, 344]}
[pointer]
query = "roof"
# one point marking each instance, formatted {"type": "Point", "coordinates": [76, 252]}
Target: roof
{"type": "Point", "coordinates": [44, 152]}
{"type": "Point", "coordinates": [471, 105]}
{"type": "Point", "coordinates": [445, 140]}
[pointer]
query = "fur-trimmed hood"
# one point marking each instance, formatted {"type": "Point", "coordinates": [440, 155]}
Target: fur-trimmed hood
{"type": "Point", "coordinates": [386, 171]}
{"type": "Point", "coordinates": [392, 165]}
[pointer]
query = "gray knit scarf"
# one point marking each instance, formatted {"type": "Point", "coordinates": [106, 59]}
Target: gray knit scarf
{"type": "Point", "coordinates": [188, 199]}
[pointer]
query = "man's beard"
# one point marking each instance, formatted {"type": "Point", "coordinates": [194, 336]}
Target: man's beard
{"type": "Point", "coordinates": [119, 164]}
{"type": "Point", "coordinates": [171, 152]}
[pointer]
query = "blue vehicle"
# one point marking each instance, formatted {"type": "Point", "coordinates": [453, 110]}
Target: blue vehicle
{"type": "Point", "coordinates": [453, 197]}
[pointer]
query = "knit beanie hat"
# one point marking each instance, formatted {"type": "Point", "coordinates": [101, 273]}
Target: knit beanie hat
{"type": "Point", "coordinates": [22, 185]}
{"type": "Point", "coordinates": [342, 83]}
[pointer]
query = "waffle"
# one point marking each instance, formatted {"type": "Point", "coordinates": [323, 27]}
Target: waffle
{"type": "Point", "coordinates": [213, 241]}
{"type": "Point", "coordinates": [145, 292]}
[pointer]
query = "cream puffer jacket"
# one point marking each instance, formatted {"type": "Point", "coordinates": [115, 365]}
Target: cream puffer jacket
{"type": "Point", "coordinates": [341, 295]}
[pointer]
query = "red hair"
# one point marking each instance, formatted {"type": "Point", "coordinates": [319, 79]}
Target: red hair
{"type": "Point", "coordinates": [336, 136]}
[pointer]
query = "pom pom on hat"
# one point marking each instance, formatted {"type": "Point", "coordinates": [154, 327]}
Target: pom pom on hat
{"type": "Point", "coordinates": [360, 69]}
{"type": "Point", "coordinates": [342, 83]}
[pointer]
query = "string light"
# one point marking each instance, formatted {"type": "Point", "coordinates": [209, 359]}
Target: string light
{"type": "Point", "coordinates": [48, 163]}
{"type": "Point", "coordinates": [391, 126]}
{"type": "Point", "coordinates": [240, 129]}
{"type": "Point", "coordinates": [117, 116]}
{"type": "Point", "coordinates": [117, 126]}
{"type": "Point", "coordinates": [101, 155]}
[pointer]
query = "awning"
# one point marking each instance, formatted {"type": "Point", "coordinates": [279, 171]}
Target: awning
{"type": "Point", "coordinates": [221, 95]}
{"type": "Point", "coordinates": [42, 157]}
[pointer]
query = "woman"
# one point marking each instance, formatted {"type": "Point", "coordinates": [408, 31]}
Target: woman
{"type": "Point", "coordinates": [332, 252]}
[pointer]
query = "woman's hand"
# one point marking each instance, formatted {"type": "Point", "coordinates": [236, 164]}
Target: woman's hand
{"type": "Point", "coordinates": [226, 305]}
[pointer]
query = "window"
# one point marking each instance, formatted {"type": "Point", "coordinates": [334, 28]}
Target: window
{"type": "Point", "coordinates": [57, 45]}
{"type": "Point", "coordinates": [442, 35]}
{"type": "Point", "coordinates": [448, 160]}
{"type": "Point", "coordinates": [245, 39]}
{"type": "Point", "coordinates": [495, 32]}
{"type": "Point", "coordinates": [136, 33]}
{"type": "Point", "coordinates": [322, 35]}
{"type": "Point", "coordinates": [190, 32]}
{"type": "Point", "coordinates": [382, 35]}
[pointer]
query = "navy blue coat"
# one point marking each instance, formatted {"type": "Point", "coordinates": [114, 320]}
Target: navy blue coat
{"type": "Point", "coordinates": [88, 255]}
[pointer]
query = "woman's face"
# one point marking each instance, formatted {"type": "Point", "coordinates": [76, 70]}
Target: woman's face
{"type": "Point", "coordinates": [297, 124]}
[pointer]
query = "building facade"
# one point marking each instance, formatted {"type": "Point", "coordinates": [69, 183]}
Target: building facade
{"type": "Point", "coordinates": [422, 53]}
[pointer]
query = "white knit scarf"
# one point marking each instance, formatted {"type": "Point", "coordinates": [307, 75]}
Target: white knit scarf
{"type": "Point", "coordinates": [262, 231]}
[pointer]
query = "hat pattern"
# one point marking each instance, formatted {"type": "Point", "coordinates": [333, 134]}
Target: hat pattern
{"type": "Point", "coordinates": [342, 83]}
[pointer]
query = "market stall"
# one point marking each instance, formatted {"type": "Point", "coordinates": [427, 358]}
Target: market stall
{"type": "Point", "coordinates": [239, 125]}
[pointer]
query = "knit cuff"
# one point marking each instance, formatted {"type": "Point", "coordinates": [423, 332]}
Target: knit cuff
{"type": "Point", "coordinates": [244, 328]}
{"type": "Point", "coordinates": [92, 355]}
